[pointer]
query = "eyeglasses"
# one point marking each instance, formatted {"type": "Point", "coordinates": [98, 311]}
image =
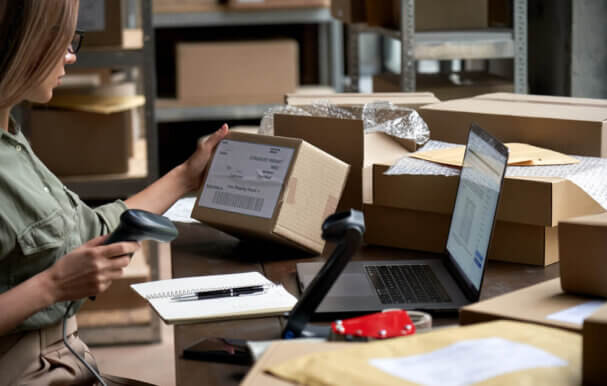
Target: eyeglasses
{"type": "Point", "coordinates": [76, 42]}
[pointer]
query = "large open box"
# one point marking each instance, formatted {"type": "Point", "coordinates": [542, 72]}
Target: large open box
{"type": "Point", "coordinates": [420, 207]}
{"type": "Point", "coordinates": [569, 125]}
{"type": "Point", "coordinates": [345, 138]}
{"type": "Point", "coordinates": [251, 72]}
{"type": "Point", "coordinates": [273, 188]}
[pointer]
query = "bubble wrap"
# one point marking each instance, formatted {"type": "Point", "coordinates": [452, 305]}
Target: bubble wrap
{"type": "Point", "coordinates": [397, 121]}
{"type": "Point", "coordinates": [377, 116]}
{"type": "Point", "coordinates": [588, 174]}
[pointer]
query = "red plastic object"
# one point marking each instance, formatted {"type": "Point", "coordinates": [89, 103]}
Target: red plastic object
{"type": "Point", "coordinates": [381, 325]}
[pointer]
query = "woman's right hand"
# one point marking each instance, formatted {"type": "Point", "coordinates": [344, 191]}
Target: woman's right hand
{"type": "Point", "coordinates": [89, 269]}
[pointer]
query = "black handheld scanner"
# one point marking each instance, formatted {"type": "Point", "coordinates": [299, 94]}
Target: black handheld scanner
{"type": "Point", "coordinates": [139, 225]}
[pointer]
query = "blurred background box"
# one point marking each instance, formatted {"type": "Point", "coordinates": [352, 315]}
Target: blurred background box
{"type": "Point", "coordinates": [349, 11]}
{"type": "Point", "coordinates": [95, 131]}
{"type": "Point", "coordinates": [448, 86]}
{"type": "Point", "coordinates": [178, 6]}
{"type": "Point", "coordinates": [237, 72]}
{"type": "Point", "coordinates": [277, 4]}
{"type": "Point", "coordinates": [106, 24]}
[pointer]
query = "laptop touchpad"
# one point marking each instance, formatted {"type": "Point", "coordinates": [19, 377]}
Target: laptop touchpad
{"type": "Point", "coordinates": [351, 284]}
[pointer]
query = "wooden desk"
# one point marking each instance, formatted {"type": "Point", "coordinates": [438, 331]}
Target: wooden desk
{"type": "Point", "coordinates": [201, 250]}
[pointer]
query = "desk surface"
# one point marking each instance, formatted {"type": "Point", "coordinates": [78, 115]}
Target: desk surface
{"type": "Point", "coordinates": [201, 250]}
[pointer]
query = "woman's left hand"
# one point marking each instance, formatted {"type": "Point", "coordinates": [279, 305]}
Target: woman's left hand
{"type": "Point", "coordinates": [195, 165]}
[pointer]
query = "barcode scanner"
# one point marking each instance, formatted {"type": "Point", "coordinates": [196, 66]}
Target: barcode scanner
{"type": "Point", "coordinates": [135, 225]}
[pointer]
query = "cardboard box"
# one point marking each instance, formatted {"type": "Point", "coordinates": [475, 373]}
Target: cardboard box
{"type": "Point", "coordinates": [431, 15]}
{"type": "Point", "coordinates": [534, 304]}
{"type": "Point", "coordinates": [445, 87]}
{"type": "Point", "coordinates": [583, 246]}
{"type": "Point", "coordinates": [254, 72]}
{"type": "Point", "coordinates": [568, 125]}
{"type": "Point", "coordinates": [277, 4]}
{"type": "Point", "coordinates": [345, 138]}
{"type": "Point", "coordinates": [184, 6]}
{"type": "Point", "coordinates": [594, 348]}
{"type": "Point", "coordinates": [413, 100]}
{"type": "Point", "coordinates": [349, 11]}
{"type": "Point", "coordinates": [274, 188]}
{"type": "Point", "coordinates": [103, 22]}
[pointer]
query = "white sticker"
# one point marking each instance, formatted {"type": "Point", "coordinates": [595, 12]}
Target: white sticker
{"type": "Point", "coordinates": [246, 178]}
{"type": "Point", "coordinates": [468, 362]}
{"type": "Point", "coordinates": [577, 314]}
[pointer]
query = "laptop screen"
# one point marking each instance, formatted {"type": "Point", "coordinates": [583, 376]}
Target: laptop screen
{"type": "Point", "coordinates": [476, 204]}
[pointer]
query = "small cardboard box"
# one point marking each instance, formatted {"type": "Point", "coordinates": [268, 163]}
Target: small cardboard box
{"type": "Point", "coordinates": [583, 247]}
{"type": "Point", "coordinates": [95, 131]}
{"type": "Point", "coordinates": [103, 22]}
{"type": "Point", "coordinates": [466, 85]}
{"type": "Point", "coordinates": [544, 303]}
{"type": "Point", "coordinates": [275, 188]}
{"type": "Point", "coordinates": [594, 348]}
{"type": "Point", "coordinates": [345, 138]}
{"type": "Point", "coordinates": [431, 15]}
{"type": "Point", "coordinates": [569, 125]}
{"type": "Point", "coordinates": [277, 4]}
{"type": "Point", "coordinates": [253, 72]}
{"type": "Point", "coordinates": [420, 207]}
{"type": "Point", "coordinates": [349, 11]}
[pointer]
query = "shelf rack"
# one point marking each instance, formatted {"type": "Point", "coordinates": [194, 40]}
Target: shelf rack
{"type": "Point", "coordinates": [330, 41]}
{"type": "Point", "coordinates": [447, 45]}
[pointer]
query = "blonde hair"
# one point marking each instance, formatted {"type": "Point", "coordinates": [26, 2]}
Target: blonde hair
{"type": "Point", "coordinates": [34, 36]}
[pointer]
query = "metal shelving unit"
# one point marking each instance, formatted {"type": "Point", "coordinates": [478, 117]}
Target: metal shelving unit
{"type": "Point", "coordinates": [447, 45]}
{"type": "Point", "coordinates": [330, 41]}
{"type": "Point", "coordinates": [113, 186]}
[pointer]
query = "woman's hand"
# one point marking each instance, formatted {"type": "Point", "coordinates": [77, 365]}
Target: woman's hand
{"type": "Point", "coordinates": [195, 165]}
{"type": "Point", "coordinates": [89, 269]}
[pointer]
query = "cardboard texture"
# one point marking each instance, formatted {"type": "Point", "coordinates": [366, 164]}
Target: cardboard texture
{"type": "Point", "coordinates": [349, 11]}
{"type": "Point", "coordinates": [532, 304]}
{"type": "Point", "coordinates": [353, 365]}
{"type": "Point", "coordinates": [177, 6]}
{"type": "Point", "coordinates": [568, 125]}
{"type": "Point", "coordinates": [413, 100]}
{"type": "Point", "coordinates": [277, 4]}
{"type": "Point", "coordinates": [594, 348]}
{"type": "Point", "coordinates": [239, 72]}
{"type": "Point", "coordinates": [96, 143]}
{"type": "Point", "coordinates": [311, 190]}
{"type": "Point", "coordinates": [447, 87]}
{"type": "Point", "coordinates": [583, 246]}
{"type": "Point", "coordinates": [281, 351]}
{"type": "Point", "coordinates": [345, 138]}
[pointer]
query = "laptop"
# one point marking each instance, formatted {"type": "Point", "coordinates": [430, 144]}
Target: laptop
{"type": "Point", "coordinates": [430, 283]}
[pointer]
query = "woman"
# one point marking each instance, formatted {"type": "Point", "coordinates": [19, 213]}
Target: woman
{"type": "Point", "coordinates": [51, 248]}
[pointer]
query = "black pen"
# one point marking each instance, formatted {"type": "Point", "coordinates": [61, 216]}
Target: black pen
{"type": "Point", "coordinates": [224, 293]}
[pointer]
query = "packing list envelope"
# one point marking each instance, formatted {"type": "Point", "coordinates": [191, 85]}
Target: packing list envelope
{"type": "Point", "coordinates": [521, 154]}
{"type": "Point", "coordinates": [494, 353]}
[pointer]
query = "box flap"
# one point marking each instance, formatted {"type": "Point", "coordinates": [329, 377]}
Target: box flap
{"type": "Point", "coordinates": [592, 220]}
{"type": "Point", "coordinates": [381, 148]}
{"type": "Point", "coordinates": [304, 206]}
{"type": "Point", "coordinates": [561, 100]}
{"type": "Point", "coordinates": [531, 304]}
{"type": "Point", "coordinates": [413, 100]}
{"type": "Point", "coordinates": [517, 108]}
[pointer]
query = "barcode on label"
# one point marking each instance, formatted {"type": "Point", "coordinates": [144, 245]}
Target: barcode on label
{"type": "Point", "coordinates": [238, 201]}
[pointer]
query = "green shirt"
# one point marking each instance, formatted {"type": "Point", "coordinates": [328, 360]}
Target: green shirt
{"type": "Point", "coordinates": [40, 220]}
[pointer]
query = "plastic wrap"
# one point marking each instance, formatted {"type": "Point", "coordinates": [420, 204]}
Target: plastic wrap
{"type": "Point", "coordinates": [377, 116]}
{"type": "Point", "coordinates": [588, 174]}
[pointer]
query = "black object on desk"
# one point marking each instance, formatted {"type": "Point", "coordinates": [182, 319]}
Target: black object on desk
{"type": "Point", "coordinates": [344, 228]}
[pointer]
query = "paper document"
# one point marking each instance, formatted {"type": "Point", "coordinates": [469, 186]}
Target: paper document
{"type": "Point", "coordinates": [468, 362]}
{"type": "Point", "coordinates": [181, 211]}
{"type": "Point", "coordinates": [246, 178]}
{"type": "Point", "coordinates": [520, 155]}
{"type": "Point", "coordinates": [577, 314]}
{"type": "Point", "coordinates": [160, 294]}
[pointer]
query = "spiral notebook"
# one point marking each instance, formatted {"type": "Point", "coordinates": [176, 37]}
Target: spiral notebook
{"type": "Point", "coordinates": [274, 301]}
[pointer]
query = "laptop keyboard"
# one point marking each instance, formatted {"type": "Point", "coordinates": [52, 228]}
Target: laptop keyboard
{"type": "Point", "coordinates": [406, 284]}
